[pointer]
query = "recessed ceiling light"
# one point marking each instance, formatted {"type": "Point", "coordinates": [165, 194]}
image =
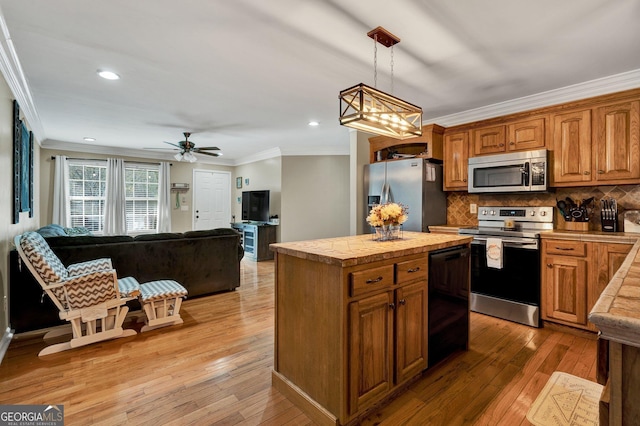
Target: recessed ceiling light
{"type": "Point", "coordinates": [89, 139]}
{"type": "Point", "coordinates": [108, 75]}
{"type": "Point", "coordinates": [314, 123]}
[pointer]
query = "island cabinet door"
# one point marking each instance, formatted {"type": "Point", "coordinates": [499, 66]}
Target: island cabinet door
{"type": "Point", "coordinates": [411, 330]}
{"type": "Point", "coordinates": [371, 350]}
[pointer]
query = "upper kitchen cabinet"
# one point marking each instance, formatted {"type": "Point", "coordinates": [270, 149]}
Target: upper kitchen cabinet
{"type": "Point", "coordinates": [616, 133]}
{"type": "Point", "coordinates": [571, 147]}
{"type": "Point", "coordinates": [456, 159]}
{"type": "Point", "coordinates": [429, 145]}
{"type": "Point", "coordinates": [516, 136]}
{"type": "Point", "coordinates": [599, 145]}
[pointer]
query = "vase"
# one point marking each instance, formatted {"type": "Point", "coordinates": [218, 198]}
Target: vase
{"type": "Point", "coordinates": [388, 232]}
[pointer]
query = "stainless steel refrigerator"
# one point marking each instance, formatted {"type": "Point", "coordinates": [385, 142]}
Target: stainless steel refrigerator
{"type": "Point", "coordinates": [413, 182]}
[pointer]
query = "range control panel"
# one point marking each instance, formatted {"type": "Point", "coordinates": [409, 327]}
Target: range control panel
{"type": "Point", "coordinates": [518, 214]}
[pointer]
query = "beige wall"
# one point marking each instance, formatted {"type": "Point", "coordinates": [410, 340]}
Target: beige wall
{"type": "Point", "coordinates": [7, 229]}
{"type": "Point", "coordinates": [181, 172]}
{"type": "Point", "coordinates": [315, 197]}
{"type": "Point", "coordinates": [359, 156]}
{"type": "Point", "coordinates": [264, 174]}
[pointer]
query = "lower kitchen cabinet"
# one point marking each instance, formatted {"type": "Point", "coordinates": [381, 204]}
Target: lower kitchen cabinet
{"type": "Point", "coordinates": [388, 336]}
{"type": "Point", "coordinates": [574, 274]}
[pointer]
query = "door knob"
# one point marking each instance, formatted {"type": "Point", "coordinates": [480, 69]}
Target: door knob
{"type": "Point", "coordinates": [402, 301]}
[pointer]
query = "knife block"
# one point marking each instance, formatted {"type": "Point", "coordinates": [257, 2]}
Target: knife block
{"type": "Point", "coordinates": [609, 225]}
{"type": "Point", "coordinates": [576, 226]}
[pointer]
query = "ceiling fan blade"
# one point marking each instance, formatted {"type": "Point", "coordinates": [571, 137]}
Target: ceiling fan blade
{"type": "Point", "coordinates": [171, 143]}
{"type": "Point", "coordinates": [213, 154]}
{"type": "Point", "coordinates": [163, 149]}
{"type": "Point", "coordinates": [212, 148]}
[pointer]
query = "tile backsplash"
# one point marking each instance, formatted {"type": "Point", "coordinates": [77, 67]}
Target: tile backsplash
{"type": "Point", "coordinates": [458, 203]}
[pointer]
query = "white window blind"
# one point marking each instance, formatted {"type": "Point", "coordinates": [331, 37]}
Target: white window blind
{"type": "Point", "coordinates": [87, 193]}
{"type": "Point", "coordinates": [141, 189]}
{"type": "Point", "coordinates": [87, 184]}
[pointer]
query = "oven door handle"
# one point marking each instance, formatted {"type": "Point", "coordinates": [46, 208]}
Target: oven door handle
{"type": "Point", "coordinates": [528, 245]}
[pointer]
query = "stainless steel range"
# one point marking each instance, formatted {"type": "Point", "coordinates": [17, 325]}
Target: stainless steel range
{"type": "Point", "coordinates": [511, 289]}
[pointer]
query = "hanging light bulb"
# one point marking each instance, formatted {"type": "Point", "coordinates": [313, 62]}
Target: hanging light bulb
{"type": "Point", "coordinates": [368, 109]}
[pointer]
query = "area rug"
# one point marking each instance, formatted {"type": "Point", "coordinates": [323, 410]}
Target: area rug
{"type": "Point", "coordinates": [566, 400]}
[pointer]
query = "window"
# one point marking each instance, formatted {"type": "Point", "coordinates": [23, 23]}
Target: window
{"type": "Point", "coordinates": [87, 195]}
{"type": "Point", "coordinates": [141, 197]}
{"type": "Point", "coordinates": [87, 185]}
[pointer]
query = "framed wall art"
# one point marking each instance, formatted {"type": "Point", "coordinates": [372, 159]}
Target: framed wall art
{"type": "Point", "coordinates": [239, 182]}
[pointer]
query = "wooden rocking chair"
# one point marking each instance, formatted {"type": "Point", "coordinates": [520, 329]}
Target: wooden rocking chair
{"type": "Point", "coordinates": [86, 293]}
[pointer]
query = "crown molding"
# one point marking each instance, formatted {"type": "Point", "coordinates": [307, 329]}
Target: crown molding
{"type": "Point", "coordinates": [17, 82]}
{"type": "Point", "coordinates": [259, 156]}
{"type": "Point", "coordinates": [127, 152]}
{"type": "Point", "coordinates": [320, 150]}
{"type": "Point", "coordinates": [601, 86]}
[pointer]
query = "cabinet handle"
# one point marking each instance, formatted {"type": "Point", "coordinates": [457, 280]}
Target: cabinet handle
{"type": "Point", "coordinates": [464, 180]}
{"type": "Point", "coordinates": [512, 143]}
{"type": "Point", "coordinates": [412, 270]}
{"type": "Point", "coordinates": [549, 265]}
{"type": "Point", "coordinates": [392, 305]}
{"type": "Point", "coordinates": [500, 144]}
{"type": "Point", "coordinates": [402, 301]}
{"type": "Point", "coordinates": [587, 172]}
{"type": "Point", "coordinates": [565, 248]}
{"type": "Point", "coordinates": [373, 281]}
{"type": "Point", "coordinates": [600, 172]}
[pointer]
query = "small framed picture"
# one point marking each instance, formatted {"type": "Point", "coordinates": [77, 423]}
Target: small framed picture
{"type": "Point", "coordinates": [239, 182]}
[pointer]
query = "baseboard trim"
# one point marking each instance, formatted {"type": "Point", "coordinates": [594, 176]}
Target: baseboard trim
{"type": "Point", "coordinates": [4, 343]}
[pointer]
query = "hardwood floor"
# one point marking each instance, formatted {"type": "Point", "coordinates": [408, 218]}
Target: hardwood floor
{"type": "Point", "coordinates": [216, 369]}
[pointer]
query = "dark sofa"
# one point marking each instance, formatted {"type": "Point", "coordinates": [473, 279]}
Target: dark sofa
{"type": "Point", "coordinates": [204, 262]}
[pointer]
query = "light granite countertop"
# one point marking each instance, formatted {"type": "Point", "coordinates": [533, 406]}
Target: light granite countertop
{"type": "Point", "coordinates": [617, 311]}
{"type": "Point", "coordinates": [592, 236]}
{"type": "Point", "coordinates": [360, 249]}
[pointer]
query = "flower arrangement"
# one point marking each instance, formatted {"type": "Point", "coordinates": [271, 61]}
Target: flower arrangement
{"type": "Point", "coordinates": [387, 214]}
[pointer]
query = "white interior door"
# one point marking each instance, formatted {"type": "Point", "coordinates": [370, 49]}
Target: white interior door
{"type": "Point", "coordinates": [211, 199]}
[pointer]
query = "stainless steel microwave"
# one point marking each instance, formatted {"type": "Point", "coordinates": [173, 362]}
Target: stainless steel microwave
{"type": "Point", "coordinates": [515, 172]}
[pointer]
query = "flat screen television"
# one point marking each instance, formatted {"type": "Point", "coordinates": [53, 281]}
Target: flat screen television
{"type": "Point", "coordinates": [255, 205]}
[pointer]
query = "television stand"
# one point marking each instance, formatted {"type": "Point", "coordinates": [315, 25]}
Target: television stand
{"type": "Point", "coordinates": [256, 237]}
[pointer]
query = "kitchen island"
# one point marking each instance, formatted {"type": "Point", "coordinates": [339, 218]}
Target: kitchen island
{"type": "Point", "coordinates": [617, 316]}
{"type": "Point", "coordinates": [351, 320]}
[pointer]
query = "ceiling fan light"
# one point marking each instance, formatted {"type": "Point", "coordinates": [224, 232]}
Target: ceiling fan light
{"type": "Point", "coordinates": [178, 156]}
{"type": "Point", "coordinates": [188, 156]}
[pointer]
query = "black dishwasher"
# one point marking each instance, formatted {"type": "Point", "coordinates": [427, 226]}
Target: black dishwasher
{"type": "Point", "coordinates": [448, 302]}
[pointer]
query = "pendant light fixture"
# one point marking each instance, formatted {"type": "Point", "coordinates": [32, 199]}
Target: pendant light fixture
{"type": "Point", "coordinates": [368, 109]}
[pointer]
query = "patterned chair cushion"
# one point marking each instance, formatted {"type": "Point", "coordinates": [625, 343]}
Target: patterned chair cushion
{"type": "Point", "coordinates": [91, 289]}
{"type": "Point", "coordinates": [89, 266]}
{"type": "Point", "coordinates": [45, 262]}
{"type": "Point", "coordinates": [129, 287]}
{"type": "Point", "coordinates": [161, 289]}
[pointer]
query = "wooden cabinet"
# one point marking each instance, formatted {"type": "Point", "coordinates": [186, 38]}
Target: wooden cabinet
{"type": "Point", "coordinates": [572, 147]}
{"type": "Point", "coordinates": [617, 139]}
{"type": "Point", "coordinates": [565, 278]}
{"type": "Point", "coordinates": [517, 136]}
{"type": "Point", "coordinates": [387, 332]}
{"type": "Point", "coordinates": [574, 275]}
{"type": "Point", "coordinates": [456, 159]}
{"type": "Point", "coordinates": [428, 145]}
{"type": "Point", "coordinates": [370, 350]}
{"type": "Point", "coordinates": [597, 145]}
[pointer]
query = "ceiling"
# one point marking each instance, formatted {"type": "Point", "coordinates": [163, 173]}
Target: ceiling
{"type": "Point", "coordinates": [248, 75]}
